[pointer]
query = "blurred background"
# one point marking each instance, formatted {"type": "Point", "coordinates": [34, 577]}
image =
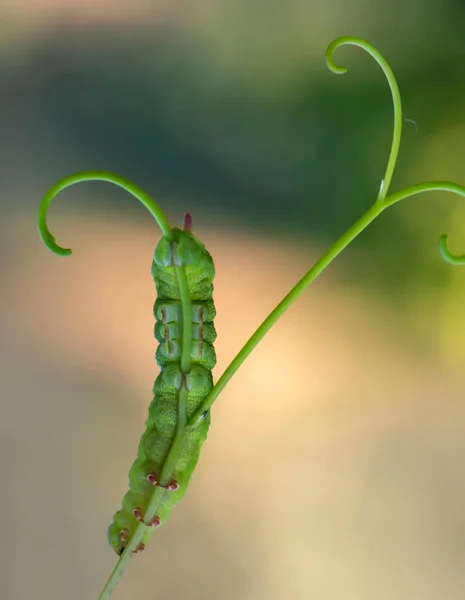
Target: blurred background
{"type": "Point", "coordinates": [334, 465]}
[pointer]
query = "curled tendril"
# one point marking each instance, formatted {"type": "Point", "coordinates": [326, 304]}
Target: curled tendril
{"type": "Point", "coordinates": [454, 259]}
{"type": "Point", "coordinates": [130, 187]}
{"type": "Point", "coordinates": [397, 133]}
{"type": "Point", "coordinates": [382, 201]}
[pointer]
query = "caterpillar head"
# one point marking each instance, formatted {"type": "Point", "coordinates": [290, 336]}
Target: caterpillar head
{"type": "Point", "coordinates": [125, 522]}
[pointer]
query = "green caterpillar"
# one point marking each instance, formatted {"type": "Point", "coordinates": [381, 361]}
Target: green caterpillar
{"type": "Point", "coordinates": [177, 425]}
{"type": "Point", "coordinates": [179, 390]}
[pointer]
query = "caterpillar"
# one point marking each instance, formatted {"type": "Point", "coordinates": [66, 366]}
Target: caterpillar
{"type": "Point", "coordinates": [177, 425]}
{"type": "Point", "coordinates": [193, 381]}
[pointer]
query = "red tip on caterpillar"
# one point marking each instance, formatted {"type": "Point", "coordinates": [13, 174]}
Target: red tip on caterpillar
{"type": "Point", "coordinates": [187, 226]}
{"type": "Point", "coordinates": [139, 548]}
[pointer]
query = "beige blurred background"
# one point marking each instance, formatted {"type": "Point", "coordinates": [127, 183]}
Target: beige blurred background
{"type": "Point", "coordinates": [334, 464]}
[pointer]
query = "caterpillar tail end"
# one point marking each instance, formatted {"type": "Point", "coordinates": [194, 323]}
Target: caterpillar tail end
{"type": "Point", "coordinates": [187, 225]}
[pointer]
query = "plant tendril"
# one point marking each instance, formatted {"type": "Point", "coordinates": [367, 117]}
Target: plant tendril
{"type": "Point", "coordinates": [130, 187]}
{"type": "Point", "coordinates": [396, 100]}
{"type": "Point", "coordinates": [454, 259]}
{"type": "Point", "coordinates": [382, 202]}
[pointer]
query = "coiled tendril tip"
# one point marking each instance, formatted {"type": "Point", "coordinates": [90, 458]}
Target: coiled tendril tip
{"type": "Point", "coordinates": [47, 238]}
{"type": "Point", "coordinates": [332, 66]}
{"type": "Point", "coordinates": [447, 254]}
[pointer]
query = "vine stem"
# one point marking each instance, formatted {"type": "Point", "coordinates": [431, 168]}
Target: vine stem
{"type": "Point", "coordinates": [372, 213]}
{"type": "Point", "coordinates": [176, 445]}
{"type": "Point", "coordinates": [326, 259]}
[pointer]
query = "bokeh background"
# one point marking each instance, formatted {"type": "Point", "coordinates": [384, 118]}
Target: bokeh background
{"type": "Point", "coordinates": [334, 468]}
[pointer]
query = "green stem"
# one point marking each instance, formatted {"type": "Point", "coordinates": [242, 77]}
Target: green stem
{"type": "Point", "coordinates": [371, 214]}
{"type": "Point", "coordinates": [427, 186]}
{"type": "Point", "coordinates": [187, 325]}
{"type": "Point", "coordinates": [176, 445]}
